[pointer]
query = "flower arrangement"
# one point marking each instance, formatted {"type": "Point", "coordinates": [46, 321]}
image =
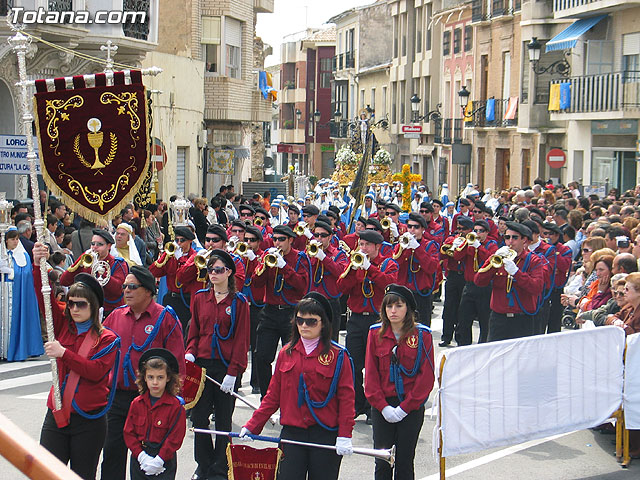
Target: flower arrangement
{"type": "Point", "coordinates": [346, 156]}
{"type": "Point", "coordinates": [382, 157]}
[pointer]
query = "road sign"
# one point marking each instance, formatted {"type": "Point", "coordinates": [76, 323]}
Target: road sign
{"type": "Point", "coordinates": [13, 155]}
{"type": "Point", "coordinates": [412, 135]}
{"type": "Point", "coordinates": [556, 158]}
{"type": "Point", "coordinates": [411, 128]}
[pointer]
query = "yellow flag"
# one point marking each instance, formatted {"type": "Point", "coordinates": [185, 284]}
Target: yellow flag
{"type": "Point", "coordinates": [273, 94]}
{"type": "Point", "coordinates": [468, 112]}
{"type": "Point", "coordinates": [554, 97]}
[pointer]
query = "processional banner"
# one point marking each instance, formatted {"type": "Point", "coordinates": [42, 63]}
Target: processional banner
{"type": "Point", "coordinates": [94, 140]}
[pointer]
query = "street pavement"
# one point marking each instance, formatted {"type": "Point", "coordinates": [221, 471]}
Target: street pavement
{"type": "Point", "coordinates": [584, 455]}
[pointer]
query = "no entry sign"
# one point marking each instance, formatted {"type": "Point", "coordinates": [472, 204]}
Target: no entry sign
{"type": "Point", "coordinates": [556, 158]}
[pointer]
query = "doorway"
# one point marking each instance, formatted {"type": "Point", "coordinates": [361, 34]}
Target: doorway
{"type": "Point", "coordinates": [503, 156]}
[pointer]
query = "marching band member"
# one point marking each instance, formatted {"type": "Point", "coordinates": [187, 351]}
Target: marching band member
{"type": "Point", "coordinates": [141, 324]}
{"type": "Point", "coordinates": [547, 254]}
{"type": "Point", "coordinates": [553, 235]}
{"type": "Point", "coordinates": [319, 407]}
{"type": "Point", "coordinates": [261, 220]}
{"type": "Point", "coordinates": [101, 243]}
{"type": "Point", "coordinates": [517, 285]}
{"type": "Point", "coordinates": [475, 300]}
{"type": "Point", "coordinates": [418, 265]}
{"type": "Point", "coordinates": [310, 215]}
{"type": "Point", "coordinates": [438, 218]}
{"type": "Point", "coordinates": [85, 353]}
{"type": "Point", "coordinates": [364, 285]}
{"type": "Point", "coordinates": [400, 376]}
{"type": "Point", "coordinates": [465, 211]}
{"type": "Point", "coordinates": [294, 216]}
{"type": "Point", "coordinates": [285, 283]}
{"type": "Point", "coordinates": [246, 213]}
{"type": "Point", "coordinates": [351, 239]}
{"type": "Point", "coordinates": [386, 248]}
{"type": "Point", "coordinates": [454, 286]}
{"type": "Point", "coordinates": [218, 340]}
{"type": "Point", "coordinates": [392, 212]}
{"type": "Point", "coordinates": [434, 230]}
{"type": "Point", "coordinates": [167, 264]}
{"type": "Point", "coordinates": [325, 268]}
{"type": "Point", "coordinates": [236, 229]}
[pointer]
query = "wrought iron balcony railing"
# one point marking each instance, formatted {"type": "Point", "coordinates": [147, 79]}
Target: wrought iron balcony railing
{"type": "Point", "coordinates": [446, 131]}
{"type": "Point", "coordinates": [437, 129]}
{"type": "Point", "coordinates": [499, 117]}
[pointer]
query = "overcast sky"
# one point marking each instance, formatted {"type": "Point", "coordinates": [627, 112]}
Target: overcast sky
{"type": "Point", "coordinates": [291, 16]}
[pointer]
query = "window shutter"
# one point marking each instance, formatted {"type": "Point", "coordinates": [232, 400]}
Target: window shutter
{"type": "Point", "coordinates": [211, 30]}
{"type": "Point", "coordinates": [233, 32]}
{"type": "Point", "coordinates": [631, 44]}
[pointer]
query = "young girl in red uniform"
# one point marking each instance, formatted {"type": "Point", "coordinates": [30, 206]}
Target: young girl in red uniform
{"type": "Point", "coordinates": [157, 421]}
{"type": "Point", "coordinates": [400, 376]}
{"type": "Point", "coordinates": [86, 353]}
{"type": "Point", "coordinates": [313, 387]}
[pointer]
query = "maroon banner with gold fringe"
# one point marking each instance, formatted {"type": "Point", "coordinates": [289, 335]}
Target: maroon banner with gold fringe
{"type": "Point", "coordinates": [252, 463]}
{"type": "Point", "coordinates": [94, 142]}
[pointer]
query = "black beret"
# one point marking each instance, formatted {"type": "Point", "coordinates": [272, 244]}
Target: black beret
{"type": "Point", "coordinates": [324, 303]}
{"type": "Point", "coordinates": [362, 220]}
{"type": "Point", "coordinates": [537, 212]}
{"type": "Point", "coordinates": [465, 222]}
{"type": "Point", "coordinates": [331, 214]}
{"type": "Point", "coordinates": [375, 222]}
{"type": "Point", "coordinates": [311, 210]}
{"type": "Point", "coordinates": [226, 259]}
{"type": "Point", "coordinates": [382, 202]}
{"type": "Point", "coordinates": [262, 211]}
{"type": "Point", "coordinates": [92, 284]}
{"type": "Point", "coordinates": [521, 229]}
{"type": "Point", "coordinates": [247, 207]}
{"type": "Point", "coordinates": [294, 208]}
{"type": "Point", "coordinates": [371, 236]}
{"type": "Point", "coordinates": [427, 206]}
{"type": "Point", "coordinates": [552, 227]}
{"type": "Point", "coordinates": [145, 277]}
{"type": "Point", "coordinates": [239, 224]}
{"type": "Point", "coordinates": [184, 232]}
{"type": "Point", "coordinates": [323, 218]}
{"type": "Point", "coordinates": [416, 217]}
{"type": "Point", "coordinates": [218, 230]}
{"type": "Point", "coordinates": [333, 209]}
{"type": "Point", "coordinates": [393, 206]}
{"type": "Point", "coordinates": [533, 226]}
{"type": "Point", "coordinates": [324, 226]}
{"type": "Point", "coordinates": [162, 353]}
{"type": "Point", "coordinates": [403, 292]}
{"type": "Point", "coordinates": [104, 234]}
{"type": "Point", "coordinates": [254, 231]}
{"type": "Point", "coordinates": [483, 223]}
{"type": "Point", "coordinates": [435, 200]}
{"type": "Point", "coordinates": [284, 230]}
{"type": "Point", "coordinates": [479, 204]}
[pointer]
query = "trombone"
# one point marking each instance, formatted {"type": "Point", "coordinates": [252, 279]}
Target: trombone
{"type": "Point", "coordinates": [357, 260]}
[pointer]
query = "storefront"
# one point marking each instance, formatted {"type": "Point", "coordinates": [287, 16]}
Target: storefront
{"type": "Point", "coordinates": [613, 153]}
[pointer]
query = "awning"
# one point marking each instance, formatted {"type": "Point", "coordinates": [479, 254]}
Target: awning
{"type": "Point", "coordinates": [570, 35]}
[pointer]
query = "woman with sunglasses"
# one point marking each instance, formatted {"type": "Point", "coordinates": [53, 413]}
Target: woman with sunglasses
{"type": "Point", "coordinates": [400, 376]}
{"type": "Point", "coordinates": [218, 340]}
{"type": "Point", "coordinates": [85, 352]}
{"type": "Point", "coordinates": [313, 387]}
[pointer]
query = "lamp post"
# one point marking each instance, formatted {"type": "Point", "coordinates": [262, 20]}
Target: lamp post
{"type": "Point", "coordinates": [5, 321]}
{"type": "Point", "coordinates": [316, 121]}
{"type": "Point", "coordinates": [560, 67]}
{"type": "Point", "coordinates": [415, 109]}
{"type": "Point", "coordinates": [463, 98]}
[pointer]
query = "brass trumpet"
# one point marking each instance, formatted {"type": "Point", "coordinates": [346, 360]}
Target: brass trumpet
{"type": "Point", "coordinates": [343, 246]}
{"type": "Point", "coordinates": [357, 260]}
{"type": "Point", "coordinates": [471, 237]}
{"type": "Point", "coordinates": [200, 260]}
{"type": "Point", "coordinates": [299, 228]}
{"type": "Point", "coordinates": [404, 242]}
{"type": "Point", "coordinates": [232, 244]}
{"type": "Point", "coordinates": [313, 248]}
{"type": "Point", "coordinates": [497, 261]}
{"type": "Point", "coordinates": [241, 248]}
{"type": "Point", "coordinates": [385, 223]}
{"type": "Point", "coordinates": [271, 260]}
{"type": "Point", "coordinates": [447, 250]}
{"type": "Point", "coordinates": [86, 260]}
{"type": "Point", "coordinates": [258, 222]}
{"type": "Point", "coordinates": [170, 248]}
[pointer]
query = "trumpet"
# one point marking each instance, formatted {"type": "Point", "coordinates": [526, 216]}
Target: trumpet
{"type": "Point", "coordinates": [343, 246]}
{"type": "Point", "coordinates": [385, 223]}
{"type": "Point", "coordinates": [170, 248]}
{"type": "Point", "coordinates": [241, 248]}
{"type": "Point", "coordinates": [271, 259]}
{"type": "Point", "coordinates": [404, 242]}
{"type": "Point", "coordinates": [258, 222]}
{"type": "Point", "coordinates": [447, 250]}
{"type": "Point", "coordinates": [200, 260]}
{"type": "Point", "coordinates": [471, 237]}
{"type": "Point", "coordinates": [497, 261]}
{"type": "Point", "coordinates": [233, 244]}
{"type": "Point", "coordinates": [313, 248]}
{"type": "Point", "coordinates": [299, 228]}
{"type": "Point", "coordinates": [87, 259]}
{"type": "Point", "coordinates": [357, 260]}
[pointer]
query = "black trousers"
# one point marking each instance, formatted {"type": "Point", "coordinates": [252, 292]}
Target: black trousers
{"type": "Point", "coordinates": [313, 463]}
{"type": "Point", "coordinates": [79, 443]}
{"type": "Point", "coordinates": [404, 435]}
{"type": "Point", "coordinates": [541, 318]}
{"type": "Point", "coordinates": [424, 306]}
{"type": "Point", "coordinates": [356, 343]}
{"type": "Point", "coordinates": [505, 326]}
{"type": "Point", "coordinates": [335, 320]}
{"type": "Point", "coordinates": [183, 312]}
{"type": "Point", "coordinates": [554, 321]}
{"type": "Point", "coordinates": [475, 303]}
{"type": "Point", "coordinates": [213, 461]}
{"type": "Point", "coordinates": [275, 324]}
{"type": "Point", "coordinates": [114, 457]}
{"type": "Point", "coordinates": [452, 294]}
{"type": "Point", "coordinates": [254, 315]}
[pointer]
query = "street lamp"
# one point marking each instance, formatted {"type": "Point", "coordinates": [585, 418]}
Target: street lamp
{"type": "Point", "coordinates": [316, 116]}
{"type": "Point", "coordinates": [415, 108]}
{"type": "Point", "coordinates": [337, 116]}
{"type": "Point", "coordinates": [298, 115]}
{"type": "Point", "coordinates": [560, 67]}
{"type": "Point", "coordinates": [463, 97]}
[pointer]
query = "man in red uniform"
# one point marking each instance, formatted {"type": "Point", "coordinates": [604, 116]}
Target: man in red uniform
{"type": "Point", "coordinates": [101, 245]}
{"type": "Point", "coordinates": [141, 324]}
{"type": "Point", "coordinates": [262, 217]}
{"type": "Point", "coordinates": [440, 219]}
{"type": "Point", "coordinates": [294, 216]}
{"type": "Point", "coordinates": [364, 286]}
{"type": "Point", "coordinates": [246, 213]}
{"type": "Point", "coordinates": [310, 215]}
{"type": "Point", "coordinates": [434, 230]}
{"type": "Point", "coordinates": [418, 265]}
{"type": "Point", "coordinates": [517, 285]}
{"type": "Point", "coordinates": [326, 266]}
{"type": "Point", "coordinates": [475, 300]}
{"type": "Point", "coordinates": [392, 212]}
{"type": "Point", "coordinates": [352, 239]}
{"type": "Point", "coordinates": [386, 248]}
{"type": "Point", "coordinates": [553, 234]}
{"type": "Point", "coordinates": [465, 211]}
{"type": "Point", "coordinates": [547, 254]}
{"type": "Point", "coordinates": [285, 284]}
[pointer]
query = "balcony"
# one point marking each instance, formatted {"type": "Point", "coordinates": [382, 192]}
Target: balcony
{"type": "Point", "coordinates": [500, 111]}
{"type": "Point", "coordinates": [483, 10]}
{"type": "Point", "coordinates": [437, 130]}
{"type": "Point", "coordinates": [344, 60]}
{"type": "Point", "coordinates": [608, 95]}
{"type": "Point", "coordinates": [339, 130]}
{"type": "Point", "coordinates": [573, 8]}
{"type": "Point", "coordinates": [263, 6]}
{"type": "Point", "coordinates": [446, 131]}
{"type": "Point", "coordinates": [457, 130]}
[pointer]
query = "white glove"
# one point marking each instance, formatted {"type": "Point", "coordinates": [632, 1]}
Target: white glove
{"type": "Point", "coordinates": [399, 413]}
{"type": "Point", "coordinates": [394, 229]}
{"type": "Point", "coordinates": [155, 466]}
{"type": "Point", "coordinates": [413, 243]}
{"type": "Point", "coordinates": [476, 244]}
{"type": "Point", "coordinates": [321, 255]}
{"type": "Point", "coordinates": [190, 357]}
{"type": "Point", "coordinates": [502, 251]}
{"type": "Point", "coordinates": [271, 250]}
{"type": "Point", "coordinates": [510, 267]}
{"type": "Point", "coordinates": [228, 383]}
{"type": "Point", "coordinates": [244, 434]}
{"type": "Point", "coordinates": [307, 233]}
{"type": "Point", "coordinates": [250, 254]}
{"type": "Point", "coordinates": [281, 263]}
{"type": "Point", "coordinates": [233, 239]}
{"type": "Point", "coordinates": [143, 460]}
{"type": "Point", "coordinates": [344, 446]}
{"type": "Point", "coordinates": [388, 413]}
{"type": "Point", "coordinates": [458, 241]}
{"type": "Point", "coordinates": [366, 263]}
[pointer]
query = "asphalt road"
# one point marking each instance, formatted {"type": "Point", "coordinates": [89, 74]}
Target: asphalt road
{"type": "Point", "coordinates": [579, 455]}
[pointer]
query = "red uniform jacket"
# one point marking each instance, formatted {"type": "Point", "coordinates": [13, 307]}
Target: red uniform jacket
{"type": "Point", "coordinates": [435, 232]}
{"type": "Point", "coordinates": [113, 296]}
{"type": "Point", "coordinates": [563, 265]}
{"type": "Point", "coordinates": [454, 221]}
{"type": "Point", "coordinates": [417, 269]}
{"type": "Point", "coordinates": [386, 234]}
{"type": "Point", "coordinates": [443, 222]}
{"type": "Point", "coordinates": [372, 282]}
{"type": "Point", "coordinates": [526, 287]}
{"type": "Point", "coordinates": [472, 263]}
{"type": "Point", "coordinates": [450, 263]}
{"type": "Point", "coordinates": [300, 243]}
{"type": "Point", "coordinates": [166, 334]}
{"type": "Point", "coordinates": [254, 294]}
{"type": "Point", "coordinates": [93, 386]}
{"type": "Point", "coordinates": [494, 233]}
{"type": "Point", "coordinates": [351, 240]}
{"type": "Point", "coordinates": [170, 269]}
{"type": "Point", "coordinates": [292, 280]}
{"type": "Point", "coordinates": [377, 384]}
{"type": "Point", "coordinates": [267, 233]}
{"type": "Point", "coordinates": [547, 254]}
{"type": "Point", "coordinates": [157, 420]}
{"type": "Point", "coordinates": [324, 274]}
{"type": "Point", "coordinates": [318, 371]}
{"type": "Point", "coordinates": [193, 279]}
{"type": "Point", "coordinates": [207, 316]}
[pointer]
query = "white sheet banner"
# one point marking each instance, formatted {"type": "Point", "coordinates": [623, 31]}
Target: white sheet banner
{"type": "Point", "coordinates": [509, 392]}
{"type": "Point", "coordinates": [631, 402]}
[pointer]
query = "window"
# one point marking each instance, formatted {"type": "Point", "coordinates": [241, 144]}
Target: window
{"type": "Point", "coordinates": [600, 56]}
{"type": "Point", "coordinates": [446, 42]}
{"type": "Point", "coordinates": [427, 20]}
{"type": "Point", "coordinates": [457, 40]}
{"type": "Point", "coordinates": [443, 170]}
{"type": "Point", "coordinates": [211, 58]}
{"type": "Point", "coordinates": [524, 96]}
{"type": "Point", "coordinates": [233, 51]}
{"type": "Point", "coordinates": [180, 169]}
{"type": "Point", "coordinates": [463, 175]}
{"type": "Point", "coordinates": [426, 95]}
{"type": "Point", "coordinates": [361, 99]}
{"type": "Point", "coordinates": [373, 99]}
{"type": "Point", "coordinates": [396, 34]}
{"type": "Point", "coordinates": [403, 27]}
{"type": "Point", "coordinates": [211, 44]}
{"type": "Point", "coordinates": [394, 102]}
{"type": "Point", "coordinates": [233, 62]}
{"type": "Point", "coordinates": [384, 102]}
{"type": "Point", "coordinates": [468, 38]}
{"type": "Point", "coordinates": [326, 74]}
{"type": "Point", "coordinates": [418, 20]}
{"type": "Point", "coordinates": [403, 95]}
{"type": "Point", "coordinates": [506, 74]}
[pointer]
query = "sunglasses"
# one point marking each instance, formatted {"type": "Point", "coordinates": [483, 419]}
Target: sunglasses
{"type": "Point", "coordinates": [264, 219]}
{"type": "Point", "coordinates": [512, 237]}
{"type": "Point", "coordinates": [80, 304]}
{"type": "Point", "coordinates": [586, 250]}
{"type": "Point", "coordinates": [216, 270]}
{"type": "Point", "coordinates": [425, 211]}
{"type": "Point", "coordinates": [279, 239]}
{"type": "Point", "coordinates": [180, 240]}
{"type": "Point", "coordinates": [321, 235]}
{"type": "Point", "coordinates": [250, 239]}
{"type": "Point", "coordinates": [618, 294]}
{"type": "Point", "coordinates": [97, 244]}
{"type": "Point", "coordinates": [237, 230]}
{"type": "Point", "coordinates": [412, 226]}
{"type": "Point", "coordinates": [311, 322]}
{"type": "Point", "coordinates": [392, 214]}
{"type": "Point", "coordinates": [130, 286]}
{"type": "Point", "coordinates": [213, 239]}
{"type": "Point", "coordinates": [479, 230]}
{"type": "Point", "coordinates": [306, 215]}
{"type": "Point", "coordinates": [477, 211]}
{"type": "Point", "coordinates": [248, 214]}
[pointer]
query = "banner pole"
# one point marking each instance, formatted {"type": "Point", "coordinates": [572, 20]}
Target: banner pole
{"type": "Point", "coordinates": [442, 462]}
{"type": "Point", "coordinates": [20, 44]}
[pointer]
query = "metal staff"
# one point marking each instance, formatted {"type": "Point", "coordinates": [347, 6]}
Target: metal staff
{"type": "Point", "coordinates": [242, 399]}
{"type": "Point", "coordinates": [388, 455]}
